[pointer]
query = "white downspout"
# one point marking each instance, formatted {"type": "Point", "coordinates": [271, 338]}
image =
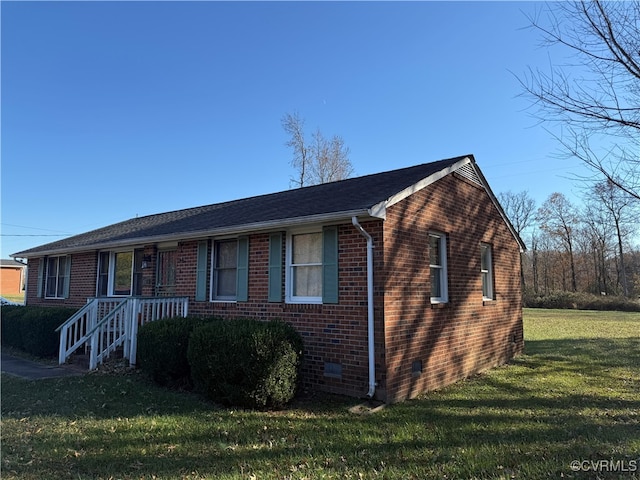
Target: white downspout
{"type": "Point", "coordinates": [370, 325]}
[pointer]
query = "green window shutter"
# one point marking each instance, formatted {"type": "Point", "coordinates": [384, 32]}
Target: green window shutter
{"type": "Point", "coordinates": [330, 265]}
{"type": "Point", "coordinates": [242, 278]}
{"type": "Point", "coordinates": [41, 263]}
{"type": "Point", "coordinates": [201, 271]}
{"type": "Point", "coordinates": [67, 277]}
{"type": "Point", "coordinates": [275, 267]}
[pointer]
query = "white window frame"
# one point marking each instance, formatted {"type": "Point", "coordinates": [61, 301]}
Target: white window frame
{"type": "Point", "coordinates": [442, 268]}
{"type": "Point", "coordinates": [60, 276]}
{"type": "Point", "coordinates": [213, 282]}
{"type": "Point", "coordinates": [289, 296]}
{"type": "Point", "coordinates": [486, 274]}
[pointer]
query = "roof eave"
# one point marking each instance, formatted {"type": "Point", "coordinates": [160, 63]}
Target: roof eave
{"type": "Point", "coordinates": [379, 210]}
{"type": "Point", "coordinates": [255, 227]}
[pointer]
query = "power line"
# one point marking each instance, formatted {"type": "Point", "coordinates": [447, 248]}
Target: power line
{"type": "Point", "coordinates": [34, 235]}
{"type": "Point", "coordinates": [34, 228]}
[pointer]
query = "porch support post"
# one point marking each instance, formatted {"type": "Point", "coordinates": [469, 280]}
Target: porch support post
{"type": "Point", "coordinates": [133, 331]}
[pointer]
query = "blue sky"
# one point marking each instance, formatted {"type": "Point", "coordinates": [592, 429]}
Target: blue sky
{"type": "Point", "coordinates": [117, 109]}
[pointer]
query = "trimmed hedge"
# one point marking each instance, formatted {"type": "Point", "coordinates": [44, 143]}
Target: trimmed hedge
{"type": "Point", "coordinates": [580, 301]}
{"type": "Point", "coordinates": [162, 350]}
{"type": "Point", "coordinates": [246, 363]}
{"type": "Point", "coordinates": [33, 329]}
{"type": "Point", "coordinates": [10, 319]}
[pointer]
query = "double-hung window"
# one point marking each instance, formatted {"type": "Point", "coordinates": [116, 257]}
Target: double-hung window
{"type": "Point", "coordinates": [225, 270]}
{"type": "Point", "coordinates": [312, 266]}
{"type": "Point", "coordinates": [228, 279]}
{"type": "Point", "coordinates": [486, 271]}
{"type": "Point", "coordinates": [57, 277]}
{"type": "Point", "coordinates": [305, 267]}
{"type": "Point", "coordinates": [438, 267]}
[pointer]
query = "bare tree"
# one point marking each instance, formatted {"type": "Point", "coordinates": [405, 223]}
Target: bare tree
{"type": "Point", "coordinates": [520, 208]}
{"type": "Point", "coordinates": [558, 218]}
{"type": "Point", "coordinates": [619, 205]}
{"type": "Point", "coordinates": [597, 235]}
{"type": "Point", "coordinates": [597, 96]}
{"type": "Point", "coordinates": [320, 161]}
{"type": "Point", "coordinates": [294, 126]}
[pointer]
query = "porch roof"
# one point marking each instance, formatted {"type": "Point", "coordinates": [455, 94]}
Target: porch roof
{"type": "Point", "coordinates": [362, 196]}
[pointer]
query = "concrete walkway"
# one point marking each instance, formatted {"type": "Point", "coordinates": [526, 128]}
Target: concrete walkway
{"type": "Point", "coordinates": [30, 370]}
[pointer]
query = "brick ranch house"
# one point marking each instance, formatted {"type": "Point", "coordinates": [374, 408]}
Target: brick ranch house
{"type": "Point", "coordinates": [399, 282]}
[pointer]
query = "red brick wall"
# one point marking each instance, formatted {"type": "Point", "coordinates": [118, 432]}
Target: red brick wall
{"type": "Point", "coordinates": [331, 333]}
{"type": "Point", "coordinates": [466, 335]}
{"type": "Point", "coordinates": [83, 281]}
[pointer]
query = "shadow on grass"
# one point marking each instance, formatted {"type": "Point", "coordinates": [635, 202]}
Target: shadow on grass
{"type": "Point", "coordinates": [563, 400]}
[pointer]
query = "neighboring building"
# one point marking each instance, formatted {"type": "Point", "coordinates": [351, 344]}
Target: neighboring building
{"type": "Point", "coordinates": [399, 282]}
{"type": "Point", "coordinates": [12, 277]}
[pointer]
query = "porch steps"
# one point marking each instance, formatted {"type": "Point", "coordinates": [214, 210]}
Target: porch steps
{"type": "Point", "coordinates": [82, 360]}
{"type": "Point", "coordinates": [107, 327]}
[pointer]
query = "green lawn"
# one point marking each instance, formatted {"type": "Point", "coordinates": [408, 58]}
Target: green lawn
{"type": "Point", "coordinates": [14, 297]}
{"type": "Point", "coordinates": [574, 396]}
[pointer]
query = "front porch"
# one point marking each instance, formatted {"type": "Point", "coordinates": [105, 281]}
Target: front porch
{"type": "Point", "coordinates": [106, 324]}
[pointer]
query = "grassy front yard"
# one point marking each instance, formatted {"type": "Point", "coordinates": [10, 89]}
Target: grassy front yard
{"type": "Point", "coordinates": [573, 397]}
{"type": "Point", "coordinates": [14, 297]}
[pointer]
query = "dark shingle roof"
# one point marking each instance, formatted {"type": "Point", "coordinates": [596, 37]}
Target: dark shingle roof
{"type": "Point", "coordinates": [352, 195]}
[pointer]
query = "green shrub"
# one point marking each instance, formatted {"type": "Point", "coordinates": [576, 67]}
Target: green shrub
{"type": "Point", "coordinates": [10, 330]}
{"type": "Point", "coordinates": [39, 330]}
{"type": "Point", "coordinates": [245, 362]}
{"type": "Point", "coordinates": [162, 350]}
{"type": "Point", "coordinates": [33, 329]}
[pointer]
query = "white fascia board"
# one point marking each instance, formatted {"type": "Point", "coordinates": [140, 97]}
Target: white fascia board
{"type": "Point", "coordinates": [501, 211]}
{"type": "Point", "coordinates": [176, 237]}
{"type": "Point", "coordinates": [380, 209]}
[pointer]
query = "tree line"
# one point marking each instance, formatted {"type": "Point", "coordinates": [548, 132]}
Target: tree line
{"type": "Point", "coordinates": [590, 248]}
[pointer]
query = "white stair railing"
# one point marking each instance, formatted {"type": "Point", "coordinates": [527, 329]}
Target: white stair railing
{"type": "Point", "coordinates": [109, 334]}
{"type": "Point", "coordinates": [74, 332]}
{"type": "Point", "coordinates": [104, 324]}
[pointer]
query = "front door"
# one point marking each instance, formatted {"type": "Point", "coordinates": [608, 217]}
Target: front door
{"type": "Point", "coordinates": [166, 275]}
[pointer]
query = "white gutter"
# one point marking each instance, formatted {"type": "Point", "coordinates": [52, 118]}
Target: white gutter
{"type": "Point", "coordinates": [370, 325]}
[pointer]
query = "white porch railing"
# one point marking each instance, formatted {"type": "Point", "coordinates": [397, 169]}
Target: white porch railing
{"type": "Point", "coordinates": [104, 324]}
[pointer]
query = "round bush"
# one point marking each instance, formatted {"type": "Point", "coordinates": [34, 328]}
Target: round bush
{"type": "Point", "coordinates": [245, 362]}
{"type": "Point", "coordinates": [162, 350]}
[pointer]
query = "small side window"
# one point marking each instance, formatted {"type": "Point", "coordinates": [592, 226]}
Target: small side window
{"type": "Point", "coordinates": [486, 271]}
{"type": "Point", "coordinates": [438, 267]}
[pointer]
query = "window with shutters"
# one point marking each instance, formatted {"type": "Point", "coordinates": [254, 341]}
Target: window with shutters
{"type": "Point", "coordinates": [224, 271]}
{"type": "Point", "coordinates": [312, 272]}
{"type": "Point", "coordinates": [57, 277]}
{"type": "Point", "coordinates": [306, 267]}
{"type": "Point", "coordinates": [229, 276]}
